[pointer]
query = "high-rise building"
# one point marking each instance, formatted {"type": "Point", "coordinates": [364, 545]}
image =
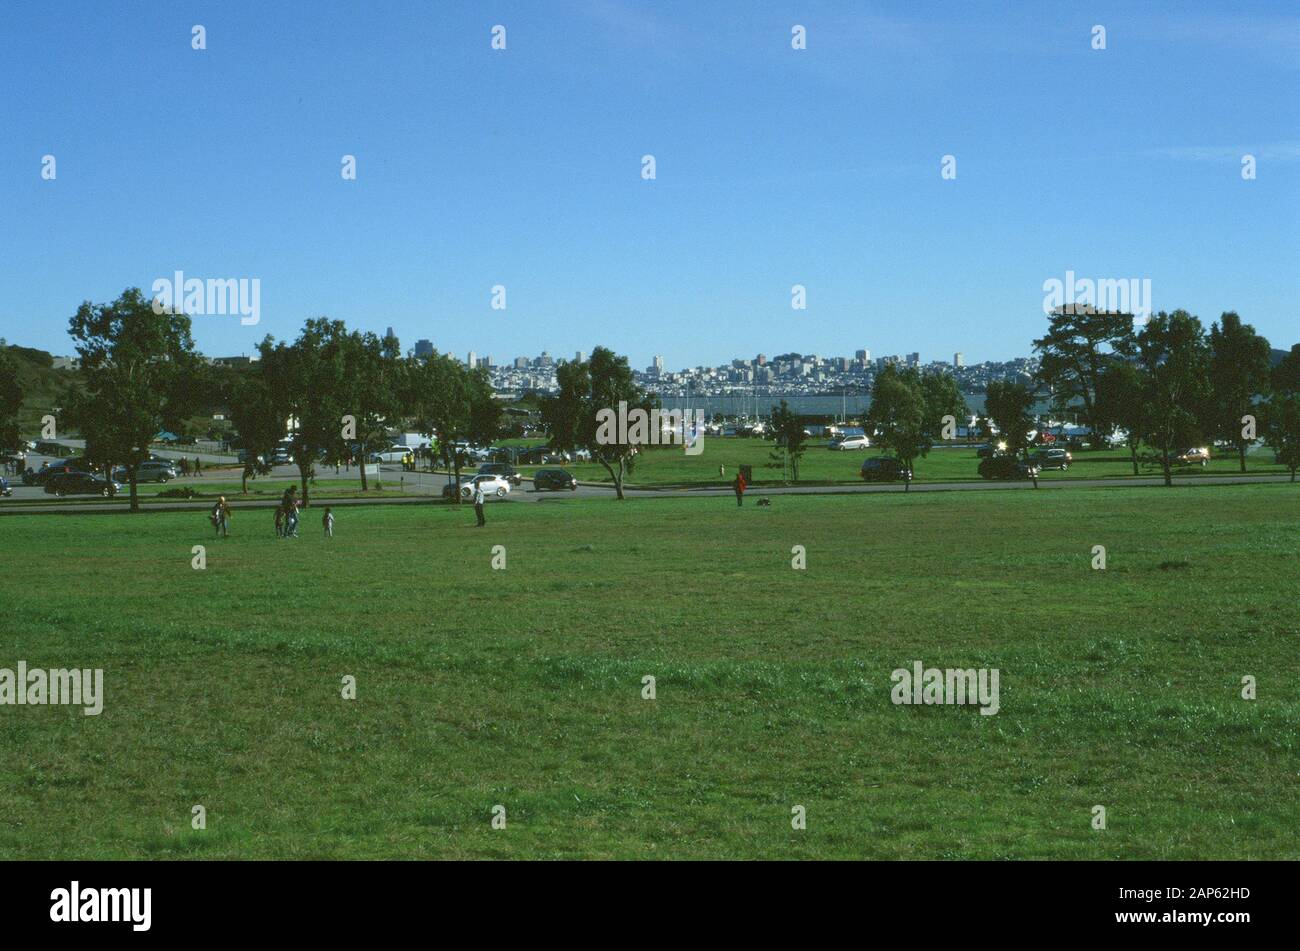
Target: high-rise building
{"type": "Point", "coordinates": [762, 360]}
{"type": "Point", "coordinates": [957, 360]}
{"type": "Point", "coordinates": [545, 360]}
{"type": "Point", "coordinates": [659, 364]}
{"type": "Point", "coordinates": [521, 363]}
{"type": "Point", "coordinates": [913, 359]}
{"type": "Point", "coordinates": [472, 360]}
{"type": "Point", "coordinates": [579, 357]}
{"type": "Point", "coordinates": [863, 357]}
{"type": "Point", "coordinates": [424, 348]}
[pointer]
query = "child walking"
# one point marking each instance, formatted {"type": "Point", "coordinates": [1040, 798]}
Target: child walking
{"type": "Point", "coordinates": [329, 522]}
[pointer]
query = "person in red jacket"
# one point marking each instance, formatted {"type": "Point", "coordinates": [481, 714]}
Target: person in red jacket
{"type": "Point", "coordinates": [739, 486]}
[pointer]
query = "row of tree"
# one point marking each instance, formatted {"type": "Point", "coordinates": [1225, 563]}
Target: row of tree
{"type": "Point", "coordinates": [1168, 384]}
{"type": "Point", "coordinates": [340, 391]}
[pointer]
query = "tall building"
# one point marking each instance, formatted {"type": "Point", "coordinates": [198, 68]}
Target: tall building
{"type": "Point", "coordinates": [863, 357]}
{"type": "Point", "coordinates": [659, 364]}
{"type": "Point", "coordinates": [424, 348]}
{"type": "Point", "coordinates": [472, 360]}
{"type": "Point", "coordinates": [913, 359]}
{"type": "Point", "coordinates": [762, 360]}
{"type": "Point", "coordinates": [957, 360]}
{"type": "Point", "coordinates": [521, 363]}
{"type": "Point", "coordinates": [579, 357]}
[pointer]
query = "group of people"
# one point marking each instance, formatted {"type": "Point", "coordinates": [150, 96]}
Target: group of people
{"type": "Point", "coordinates": [186, 468]}
{"type": "Point", "coordinates": [286, 516]}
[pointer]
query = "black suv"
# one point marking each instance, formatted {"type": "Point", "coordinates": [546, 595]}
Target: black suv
{"type": "Point", "coordinates": [80, 483]}
{"type": "Point", "coordinates": [554, 479]}
{"type": "Point", "coordinates": [503, 469]}
{"type": "Point", "coordinates": [1007, 467]}
{"type": "Point", "coordinates": [885, 469]}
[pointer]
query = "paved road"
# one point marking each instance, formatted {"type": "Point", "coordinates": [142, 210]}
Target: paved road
{"type": "Point", "coordinates": [429, 487]}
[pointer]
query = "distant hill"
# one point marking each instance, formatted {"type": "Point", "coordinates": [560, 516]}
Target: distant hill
{"type": "Point", "coordinates": [1275, 356]}
{"type": "Point", "coordinates": [43, 386]}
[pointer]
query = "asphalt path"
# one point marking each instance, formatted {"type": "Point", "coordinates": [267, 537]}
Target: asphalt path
{"type": "Point", "coordinates": [425, 487]}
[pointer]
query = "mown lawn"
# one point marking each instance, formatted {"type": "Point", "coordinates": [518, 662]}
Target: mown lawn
{"type": "Point", "coordinates": [522, 687]}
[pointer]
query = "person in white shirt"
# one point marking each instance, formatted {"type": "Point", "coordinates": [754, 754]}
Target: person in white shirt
{"type": "Point", "coordinates": [478, 503]}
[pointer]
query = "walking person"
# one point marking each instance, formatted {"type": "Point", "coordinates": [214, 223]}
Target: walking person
{"type": "Point", "coordinates": [478, 503]}
{"type": "Point", "coordinates": [185, 466]}
{"type": "Point", "coordinates": [291, 520]}
{"type": "Point", "coordinates": [739, 486]}
{"type": "Point", "coordinates": [279, 520]}
{"type": "Point", "coordinates": [221, 517]}
{"type": "Point", "coordinates": [328, 521]}
{"type": "Point", "coordinates": [198, 467]}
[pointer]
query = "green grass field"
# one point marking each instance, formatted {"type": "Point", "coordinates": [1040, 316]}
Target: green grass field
{"type": "Point", "coordinates": [522, 686]}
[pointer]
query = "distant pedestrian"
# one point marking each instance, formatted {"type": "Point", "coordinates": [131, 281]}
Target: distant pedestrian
{"type": "Point", "coordinates": [329, 522]}
{"type": "Point", "coordinates": [198, 467]}
{"type": "Point", "coordinates": [291, 520]}
{"type": "Point", "coordinates": [279, 520]}
{"type": "Point", "coordinates": [739, 486]}
{"type": "Point", "coordinates": [478, 503]}
{"type": "Point", "coordinates": [185, 466]}
{"type": "Point", "coordinates": [221, 517]}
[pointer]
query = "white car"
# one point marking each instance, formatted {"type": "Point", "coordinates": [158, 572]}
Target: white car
{"type": "Point", "coordinates": [845, 443]}
{"type": "Point", "coordinates": [492, 485]}
{"type": "Point", "coordinates": [391, 454]}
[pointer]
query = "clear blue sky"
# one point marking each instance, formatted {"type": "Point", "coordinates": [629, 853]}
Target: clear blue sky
{"type": "Point", "coordinates": [775, 167]}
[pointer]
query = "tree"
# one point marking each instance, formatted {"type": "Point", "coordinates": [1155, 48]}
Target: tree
{"type": "Point", "coordinates": [453, 403]}
{"type": "Point", "coordinates": [1173, 355]}
{"type": "Point", "coordinates": [788, 428]}
{"type": "Point", "coordinates": [943, 397]}
{"type": "Point", "coordinates": [372, 392]}
{"type": "Point", "coordinates": [1239, 377]}
{"type": "Point", "coordinates": [1282, 427]}
{"type": "Point", "coordinates": [308, 380]}
{"type": "Point", "coordinates": [11, 400]}
{"type": "Point", "coordinates": [898, 416]}
{"type": "Point", "coordinates": [140, 374]}
{"type": "Point", "coordinates": [259, 422]}
{"type": "Point", "coordinates": [1008, 405]}
{"type": "Point", "coordinates": [585, 390]}
{"type": "Point", "coordinates": [1073, 353]}
{"type": "Point", "coordinates": [1121, 404]}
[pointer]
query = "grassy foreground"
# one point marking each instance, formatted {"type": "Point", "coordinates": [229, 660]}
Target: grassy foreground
{"type": "Point", "coordinates": [522, 686]}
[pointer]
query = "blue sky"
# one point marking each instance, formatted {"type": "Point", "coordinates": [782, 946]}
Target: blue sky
{"type": "Point", "coordinates": [774, 167]}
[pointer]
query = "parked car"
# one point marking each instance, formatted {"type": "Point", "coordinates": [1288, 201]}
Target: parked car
{"type": "Point", "coordinates": [1007, 467]}
{"type": "Point", "coordinates": [492, 485]}
{"type": "Point", "coordinates": [885, 469]}
{"type": "Point", "coordinates": [1197, 456]}
{"type": "Point", "coordinates": [542, 455]}
{"type": "Point", "coordinates": [554, 480]}
{"type": "Point", "coordinates": [391, 454]}
{"type": "Point", "coordinates": [49, 471]}
{"type": "Point", "coordinates": [47, 448]}
{"type": "Point", "coordinates": [80, 483]}
{"type": "Point", "coordinates": [151, 470]}
{"type": "Point", "coordinates": [503, 469]}
{"type": "Point", "coordinates": [845, 443]}
{"type": "Point", "coordinates": [1052, 459]}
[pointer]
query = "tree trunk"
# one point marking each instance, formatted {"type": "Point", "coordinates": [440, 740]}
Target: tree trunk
{"type": "Point", "coordinates": [1242, 448]}
{"type": "Point", "coordinates": [135, 498]}
{"type": "Point", "coordinates": [1133, 455]}
{"type": "Point", "coordinates": [243, 482]}
{"type": "Point", "coordinates": [365, 487]}
{"type": "Point", "coordinates": [1164, 458]}
{"type": "Point", "coordinates": [302, 478]}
